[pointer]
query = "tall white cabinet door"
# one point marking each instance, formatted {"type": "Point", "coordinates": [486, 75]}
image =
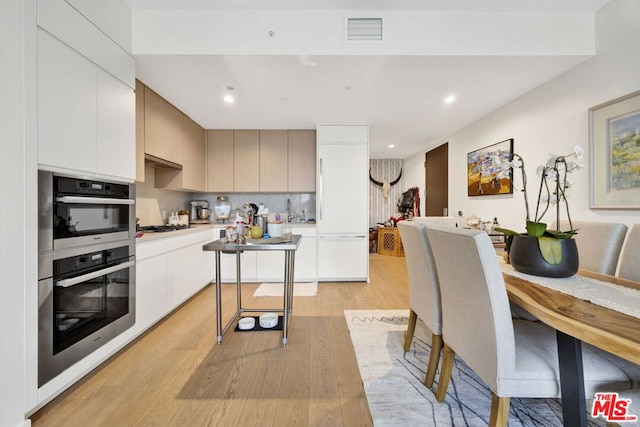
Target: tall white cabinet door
{"type": "Point", "coordinates": [342, 191]}
{"type": "Point", "coordinates": [66, 106]}
{"type": "Point", "coordinates": [116, 134]}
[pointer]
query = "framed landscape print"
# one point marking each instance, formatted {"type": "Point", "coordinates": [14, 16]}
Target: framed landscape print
{"type": "Point", "coordinates": [483, 169]}
{"type": "Point", "coordinates": [614, 142]}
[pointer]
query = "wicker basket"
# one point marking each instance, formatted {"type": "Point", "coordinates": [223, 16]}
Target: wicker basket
{"type": "Point", "coordinates": [389, 242]}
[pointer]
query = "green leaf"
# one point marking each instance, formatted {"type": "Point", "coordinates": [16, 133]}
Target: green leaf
{"type": "Point", "coordinates": [536, 229]}
{"type": "Point", "coordinates": [551, 249]}
{"type": "Point", "coordinates": [560, 234]}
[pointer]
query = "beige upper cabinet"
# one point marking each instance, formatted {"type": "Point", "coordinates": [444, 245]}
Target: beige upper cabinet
{"type": "Point", "coordinates": [261, 161]}
{"type": "Point", "coordinates": [164, 132]}
{"type": "Point", "coordinates": [220, 161]}
{"type": "Point", "coordinates": [273, 160]}
{"type": "Point", "coordinates": [302, 161]}
{"type": "Point", "coordinates": [162, 128]}
{"type": "Point", "coordinates": [139, 131]}
{"type": "Point", "coordinates": [193, 164]}
{"type": "Point", "coordinates": [246, 160]}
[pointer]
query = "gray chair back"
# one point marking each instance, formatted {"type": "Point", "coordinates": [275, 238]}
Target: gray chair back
{"type": "Point", "coordinates": [599, 244]}
{"type": "Point", "coordinates": [476, 318]}
{"type": "Point", "coordinates": [630, 261]}
{"type": "Point", "coordinates": [424, 292]}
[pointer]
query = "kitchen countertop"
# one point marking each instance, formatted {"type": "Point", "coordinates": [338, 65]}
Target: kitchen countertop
{"type": "Point", "coordinates": [149, 237]}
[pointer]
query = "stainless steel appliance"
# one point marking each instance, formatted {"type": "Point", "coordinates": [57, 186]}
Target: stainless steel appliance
{"type": "Point", "coordinates": [199, 212]}
{"type": "Point", "coordinates": [86, 267]}
{"type": "Point", "coordinates": [75, 211]}
{"type": "Point", "coordinates": [86, 298]}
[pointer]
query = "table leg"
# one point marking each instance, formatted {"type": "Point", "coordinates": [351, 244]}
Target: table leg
{"type": "Point", "coordinates": [287, 298]}
{"type": "Point", "coordinates": [238, 283]}
{"type": "Point", "coordinates": [574, 411]}
{"type": "Point", "coordinates": [218, 300]}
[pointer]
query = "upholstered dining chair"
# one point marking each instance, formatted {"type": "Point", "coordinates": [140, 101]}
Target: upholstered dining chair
{"type": "Point", "coordinates": [515, 358]}
{"type": "Point", "coordinates": [424, 294]}
{"type": "Point", "coordinates": [599, 244]}
{"type": "Point", "coordinates": [630, 259]}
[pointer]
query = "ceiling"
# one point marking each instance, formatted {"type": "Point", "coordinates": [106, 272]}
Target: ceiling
{"type": "Point", "coordinates": [400, 97]}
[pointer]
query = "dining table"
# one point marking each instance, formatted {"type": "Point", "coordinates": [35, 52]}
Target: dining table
{"type": "Point", "coordinates": [580, 319]}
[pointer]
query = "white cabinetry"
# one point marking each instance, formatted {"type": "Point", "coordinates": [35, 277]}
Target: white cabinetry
{"type": "Point", "coordinates": [168, 272]}
{"type": "Point", "coordinates": [189, 267]}
{"type": "Point", "coordinates": [86, 117]}
{"type": "Point", "coordinates": [270, 264]}
{"type": "Point", "coordinates": [343, 245]}
{"type": "Point", "coordinates": [116, 127]}
{"type": "Point", "coordinates": [152, 301]}
{"type": "Point", "coordinates": [66, 106]}
{"type": "Point", "coordinates": [228, 269]}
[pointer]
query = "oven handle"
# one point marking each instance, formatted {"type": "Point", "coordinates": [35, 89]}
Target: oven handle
{"type": "Point", "coordinates": [79, 279]}
{"type": "Point", "coordinates": [94, 200]}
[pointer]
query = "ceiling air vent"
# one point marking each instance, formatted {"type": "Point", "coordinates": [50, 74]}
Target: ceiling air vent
{"type": "Point", "coordinates": [364, 29]}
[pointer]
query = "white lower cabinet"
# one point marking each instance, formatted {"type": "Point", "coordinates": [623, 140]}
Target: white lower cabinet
{"type": "Point", "coordinates": [189, 270]}
{"type": "Point", "coordinates": [168, 272]}
{"type": "Point", "coordinates": [152, 299]}
{"type": "Point", "coordinates": [343, 258]}
{"type": "Point", "coordinates": [270, 265]}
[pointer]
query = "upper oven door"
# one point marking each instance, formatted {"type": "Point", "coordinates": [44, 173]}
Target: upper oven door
{"type": "Point", "coordinates": [78, 212]}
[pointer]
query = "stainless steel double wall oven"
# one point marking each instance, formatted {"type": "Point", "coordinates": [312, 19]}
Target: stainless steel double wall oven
{"type": "Point", "coordinates": [86, 267]}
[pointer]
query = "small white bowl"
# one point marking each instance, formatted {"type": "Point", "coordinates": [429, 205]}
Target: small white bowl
{"type": "Point", "coordinates": [269, 320]}
{"type": "Point", "coordinates": [246, 323]}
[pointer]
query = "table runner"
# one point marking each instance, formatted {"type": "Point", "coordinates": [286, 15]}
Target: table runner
{"type": "Point", "coordinates": [616, 297]}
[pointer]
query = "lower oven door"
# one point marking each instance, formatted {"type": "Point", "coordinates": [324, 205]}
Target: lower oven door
{"type": "Point", "coordinates": [80, 313]}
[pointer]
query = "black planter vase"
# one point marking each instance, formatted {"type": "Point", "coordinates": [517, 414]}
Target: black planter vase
{"type": "Point", "coordinates": [525, 257]}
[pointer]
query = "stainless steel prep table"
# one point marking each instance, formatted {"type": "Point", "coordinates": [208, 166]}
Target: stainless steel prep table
{"type": "Point", "coordinates": [289, 249]}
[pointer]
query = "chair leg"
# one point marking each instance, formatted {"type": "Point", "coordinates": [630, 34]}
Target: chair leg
{"type": "Point", "coordinates": [499, 411]}
{"type": "Point", "coordinates": [411, 327]}
{"type": "Point", "coordinates": [434, 358]}
{"type": "Point", "coordinates": [445, 373]}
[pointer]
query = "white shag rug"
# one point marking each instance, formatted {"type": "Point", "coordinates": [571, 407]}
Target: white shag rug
{"type": "Point", "coordinates": [300, 289]}
{"type": "Point", "coordinates": [393, 380]}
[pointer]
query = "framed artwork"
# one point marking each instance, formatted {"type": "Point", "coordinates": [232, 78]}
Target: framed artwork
{"type": "Point", "coordinates": [483, 169]}
{"type": "Point", "coordinates": [614, 144]}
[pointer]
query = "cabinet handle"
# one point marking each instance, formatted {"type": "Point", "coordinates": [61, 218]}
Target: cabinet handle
{"type": "Point", "coordinates": [320, 190]}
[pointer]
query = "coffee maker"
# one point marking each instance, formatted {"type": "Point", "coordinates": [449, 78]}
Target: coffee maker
{"type": "Point", "coordinates": [200, 213]}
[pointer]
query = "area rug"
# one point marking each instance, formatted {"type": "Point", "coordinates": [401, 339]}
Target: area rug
{"type": "Point", "coordinates": [393, 380]}
{"type": "Point", "coordinates": [302, 289]}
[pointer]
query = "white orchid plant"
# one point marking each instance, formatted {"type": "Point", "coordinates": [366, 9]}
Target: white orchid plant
{"type": "Point", "coordinates": [552, 192]}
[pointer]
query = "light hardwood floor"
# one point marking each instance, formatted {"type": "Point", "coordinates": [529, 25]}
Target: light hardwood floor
{"type": "Point", "coordinates": [177, 375]}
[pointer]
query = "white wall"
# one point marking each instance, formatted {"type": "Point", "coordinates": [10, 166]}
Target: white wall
{"type": "Point", "coordinates": [548, 120]}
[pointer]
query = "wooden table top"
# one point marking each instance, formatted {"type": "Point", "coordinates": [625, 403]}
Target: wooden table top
{"type": "Point", "coordinates": [605, 328]}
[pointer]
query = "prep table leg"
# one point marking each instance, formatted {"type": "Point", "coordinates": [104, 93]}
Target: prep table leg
{"type": "Point", "coordinates": [218, 300]}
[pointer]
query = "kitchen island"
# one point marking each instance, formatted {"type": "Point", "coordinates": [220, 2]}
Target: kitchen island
{"type": "Point", "coordinates": [259, 245]}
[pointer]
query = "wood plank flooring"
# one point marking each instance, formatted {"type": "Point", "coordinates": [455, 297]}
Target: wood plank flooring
{"type": "Point", "coordinates": [176, 374]}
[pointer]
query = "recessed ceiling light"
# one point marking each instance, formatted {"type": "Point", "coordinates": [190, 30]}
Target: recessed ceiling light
{"type": "Point", "coordinates": [391, 145]}
{"type": "Point", "coordinates": [228, 99]}
{"type": "Point", "coordinates": [449, 99]}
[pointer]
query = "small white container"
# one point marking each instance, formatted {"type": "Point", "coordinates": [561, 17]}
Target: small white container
{"type": "Point", "coordinates": [269, 320]}
{"type": "Point", "coordinates": [275, 229]}
{"type": "Point", "coordinates": [246, 323]}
